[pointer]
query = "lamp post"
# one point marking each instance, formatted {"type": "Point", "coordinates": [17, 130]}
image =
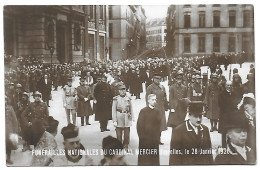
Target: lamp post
{"type": "Point", "coordinates": [51, 51]}
{"type": "Point", "coordinates": [106, 51]}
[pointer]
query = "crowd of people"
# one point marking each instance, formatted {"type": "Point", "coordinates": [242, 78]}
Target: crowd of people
{"type": "Point", "coordinates": [111, 85]}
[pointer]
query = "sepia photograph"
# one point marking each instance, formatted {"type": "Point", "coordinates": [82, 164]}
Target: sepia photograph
{"type": "Point", "coordinates": [129, 85]}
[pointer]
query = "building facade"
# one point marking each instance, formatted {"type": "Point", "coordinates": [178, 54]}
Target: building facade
{"type": "Point", "coordinates": [206, 29]}
{"type": "Point", "coordinates": [155, 33]}
{"type": "Point", "coordinates": [126, 31]}
{"type": "Point", "coordinates": [75, 32]}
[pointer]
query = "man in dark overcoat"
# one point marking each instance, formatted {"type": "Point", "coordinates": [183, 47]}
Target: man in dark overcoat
{"type": "Point", "coordinates": [84, 96]}
{"type": "Point", "coordinates": [148, 129]}
{"type": "Point", "coordinates": [103, 94]}
{"type": "Point", "coordinates": [44, 86]}
{"type": "Point", "coordinates": [190, 142]}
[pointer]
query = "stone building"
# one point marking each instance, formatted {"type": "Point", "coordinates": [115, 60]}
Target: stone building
{"type": "Point", "coordinates": [75, 32]}
{"type": "Point", "coordinates": [204, 29]}
{"type": "Point", "coordinates": [155, 33]}
{"type": "Point", "coordinates": [126, 31]}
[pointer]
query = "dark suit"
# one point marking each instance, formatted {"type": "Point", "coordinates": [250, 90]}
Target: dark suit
{"type": "Point", "coordinates": [148, 129]}
{"type": "Point", "coordinates": [45, 89]}
{"type": "Point", "coordinates": [184, 137]}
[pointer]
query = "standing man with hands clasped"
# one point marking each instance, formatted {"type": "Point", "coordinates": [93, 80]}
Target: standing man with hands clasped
{"type": "Point", "coordinates": [122, 115]}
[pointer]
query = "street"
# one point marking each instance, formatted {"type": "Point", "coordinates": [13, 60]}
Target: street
{"type": "Point", "coordinates": [91, 137]}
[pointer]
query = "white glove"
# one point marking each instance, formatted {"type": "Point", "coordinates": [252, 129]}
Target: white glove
{"type": "Point", "coordinates": [115, 124]}
{"type": "Point", "coordinates": [85, 99]}
{"type": "Point", "coordinates": [172, 110]}
{"type": "Point", "coordinates": [14, 139]}
{"type": "Point", "coordinates": [94, 101]}
{"type": "Point", "coordinates": [30, 124]}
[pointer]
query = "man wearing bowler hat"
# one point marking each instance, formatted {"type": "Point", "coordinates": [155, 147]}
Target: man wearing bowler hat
{"type": "Point", "coordinates": [190, 143]}
{"type": "Point", "coordinates": [236, 152]}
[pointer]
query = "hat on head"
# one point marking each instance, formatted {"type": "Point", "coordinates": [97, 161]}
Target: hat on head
{"type": "Point", "coordinates": [111, 143]}
{"type": "Point", "coordinates": [18, 85]}
{"type": "Point", "coordinates": [37, 93]}
{"type": "Point", "coordinates": [196, 108]}
{"type": "Point", "coordinates": [25, 93]}
{"type": "Point", "coordinates": [52, 124]}
{"type": "Point", "coordinates": [236, 75]}
{"type": "Point", "coordinates": [70, 131]}
{"type": "Point", "coordinates": [237, 119]}
{"type": "Point", "coordinates": [122, 87]}
{"type": "Point", "coordinates": [157, 75]}
{"type": "Point", "coordinates": [214, 75]}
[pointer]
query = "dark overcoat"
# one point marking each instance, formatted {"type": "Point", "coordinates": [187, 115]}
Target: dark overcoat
{"type": "Point", "coordinates": [84, 107]}
{"type": "Point", "coordinates": [184, 137]}
{"type": "Point", "coordinates": [148, 129]}
{"type": "Point", "coordinates": [103, 93]}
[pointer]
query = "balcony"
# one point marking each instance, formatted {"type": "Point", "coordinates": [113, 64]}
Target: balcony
{"type": "Point", "coordinates": [91, 25]}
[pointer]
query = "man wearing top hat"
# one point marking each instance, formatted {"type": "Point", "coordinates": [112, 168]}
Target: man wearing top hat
{"type": "Point", "coordinates": [236, 152]}
{"type": "Point", "coordinates": [72, 147]}
{"type": "Point", "coordinates": [190, 142]}
{"type": "Point", "coordinates": [122, 116]}
{"type": "Point", "coordinates": [36, 112]}
{"type": "Point", "coordinates": [69, 100]}
{"type": "Point", "coordinates": [159, 91]}
{"type": "Point", "coordinates": [177, 102]}
{"type": "Point", "coordinates": [84, 96]}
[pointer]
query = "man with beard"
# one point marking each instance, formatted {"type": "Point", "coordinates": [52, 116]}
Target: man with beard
{"type": "Point", "coordinates": [73, 148]}
{"type": "Point", "coordinates": [190, 142]}
{"type": "Point", "coordinates": [237, 152]}
{"type": "Point", "coordinates": [159, 91]}
{"type": "Point", "coordinates": [227, 104]}
{"type": "Point", "coordinates": [103, 94]}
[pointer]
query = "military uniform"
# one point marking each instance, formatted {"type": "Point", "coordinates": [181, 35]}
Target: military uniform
{"type": "Point", "coordinates": [122, 113]}
{"type": "Point", "coordinates": [69, 100]}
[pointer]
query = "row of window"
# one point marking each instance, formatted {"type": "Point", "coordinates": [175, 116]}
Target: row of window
{"type": "Point", "coordinates": [154, 31]}
{"type": "Point", "coordinates": [217, 19]}
{"type": "Point", "coordinates": [154, 38]}
{"type": "Point", "coordinates": [216, 44]}
{"type": "Point", "coordinates": [102, 12]}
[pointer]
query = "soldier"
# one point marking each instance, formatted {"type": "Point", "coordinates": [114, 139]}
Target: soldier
{"type": "Point", "coordinates": [69, 101]}
{"type": "Point", "coordinates": [36, 112]}
{"type": "Point", "coordinates": [177, 102]}
{"type": "Point", "coordinates": [190, 142]}
{"type": "Point", "coordinates": [122, 115]}
{"type": "Point", "coordinates": [195, 90]}
{"type": "Point", "coordinates": [159, 91]}
{"type": "Point", "coordinates": [84, 96]}
{"type": "Point", "coordinates": [72, 145]}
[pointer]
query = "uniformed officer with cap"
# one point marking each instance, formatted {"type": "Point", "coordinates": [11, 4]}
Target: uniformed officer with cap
{"type": "Point", "coordinates": [190, 142]}
{"type": "Point", "coordinates": [73, 147]}
{"type": "Point", "coordinates": [122, 115]}
{"type": "Point", "coordinates": [36, 112]}
{"type": "Point", "coordinates": [69, 100]}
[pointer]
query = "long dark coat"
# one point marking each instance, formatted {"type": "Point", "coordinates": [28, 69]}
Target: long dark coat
{"type": "Point", "coordinates": [184, 137]}
{"type": "Point", "coordinates": [84, 108]}
{"type": "Point", "coordinates": [148, 129]}
{"type": "Point", "coordinates": [226, 106]}
{"type": "Point", "coordinates": [176, 94]}
{"type": "Point", "coordinates": [211, 100]}
{"type": "Point", "coordinates": [45, 89]}
{"type": "Point", "coordinates": [160, 93]}
{"type": "Point", "coordinates": [103, 93]}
